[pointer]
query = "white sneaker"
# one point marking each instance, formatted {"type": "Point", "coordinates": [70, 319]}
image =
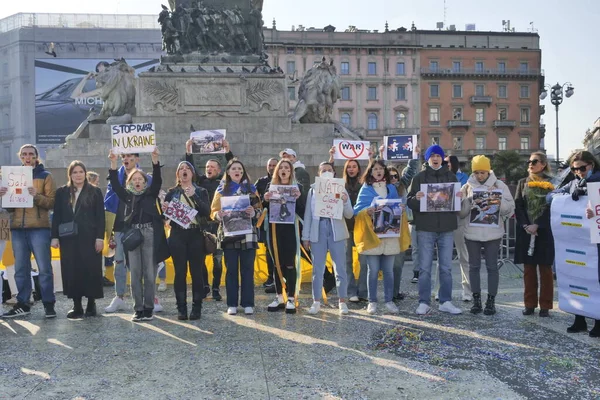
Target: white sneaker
{"type": "Point", "coordinates": [343, 308]}
{"type": "Point", "coordinates": [231, 310]}
{"type": "Point", "coordinates": [372, 308]}
{"type": "Point", "coordinates": [157, 306]}
{"type": "Point", "coordinates": [448, 307]}
{"type": "Point", "coordinates": [276, 304]}
{"type": "Point", "coordinates": [248, 310]}
{"type": "Point", "coordinates": [423, 309]}
{"type": "Point", "coordinates": [315, 308]}
{"type": "Point", "coordinates": [290, 307]}
{"type": "Point", "coordinates": [391, 307]}
{"type": "Point", "coordinates": [466, 296]}
{"type": "Point", "coordinates": [354, 299]}
{"type": "Point", "coordinates": [115, 305]}
{"type": "Point", "coordinates": [162, 286]}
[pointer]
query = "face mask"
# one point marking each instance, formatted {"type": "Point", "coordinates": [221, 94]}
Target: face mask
{"type": "Point", "coordinates": [434, 168]}
{"type": "Point", "coordinates": [327, 175]}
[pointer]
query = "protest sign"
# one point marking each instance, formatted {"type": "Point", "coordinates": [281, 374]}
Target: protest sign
{"type": "Point", "coordinates": [440, 197]}
{"type": "Point", "coordinates": [594, 199]}
{"type": "Point", "coordinates": [400, 147]}
{"type": "Point", "coordinates": [4, 226]}
{"type": "Point", "coordinates": [328, 197]}
{"type": "Point", "coordinates": [208, 142]}
{"type": "Point", "coordinates": [282, 205]}
{"type": "Point", "coordinates": [576, 259]}
{"type": "Point", "coordinates": [351, 149]}
{"type": "Point", "coordinates": [133, 138]}
{"type": "Point", "coordinates": [17, 180]}
{"type": "Point", "coordinates": [180, 213]}
{"type": "Point", "coordinates": [387, 217]}
{"type": "Point", "coordinates": [485, 209]}
{"type": "Point", "coordinates": [235, 220]}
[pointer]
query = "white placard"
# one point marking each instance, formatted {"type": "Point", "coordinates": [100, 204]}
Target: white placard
{"type": "Point", "coordinates": [440, 197]}
{"type": "Point", "coordinates": [17, 180]}
{"type": "Point", "coordinates": [133, 138]}
{"type": "Point", "coordinates": [351, 149]}
{"type": "Point", "coordinates": [208, 142]}
{"type": "Point", "coordinates": [594, 199]}
{"type": "Point", "coordinates": [576, 259]}
{"type": "Point", "coordinates": [328, 197]}
{"type": "Point", "coordinates": [180, 213]}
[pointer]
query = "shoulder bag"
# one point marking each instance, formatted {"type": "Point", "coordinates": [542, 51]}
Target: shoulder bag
{"type": "Point", "coordinates": [132, 238]}
{"type": "Point", "coordinates": [68, 229]}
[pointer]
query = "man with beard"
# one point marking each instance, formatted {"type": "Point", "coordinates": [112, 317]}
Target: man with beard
{"type": "Point", "coordinates": [261, 186]}
{"type": "Point", "coordinates": [210, 181]}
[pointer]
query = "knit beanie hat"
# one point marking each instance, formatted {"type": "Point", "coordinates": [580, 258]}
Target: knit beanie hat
{"type": "Point", "coordinates": [480, 163]}
{"type": "Point", "coordinates": [434, 149]}
{"type": "Point", "coordinates": [190, 166]}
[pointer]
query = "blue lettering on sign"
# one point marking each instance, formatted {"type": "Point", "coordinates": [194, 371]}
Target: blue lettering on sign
{"type": "Point", "coordinates": [575, 251]}
{"type": "Point", "coordinates": [578, 287]}
{"type": "Point", "coordinates": [571, 216]}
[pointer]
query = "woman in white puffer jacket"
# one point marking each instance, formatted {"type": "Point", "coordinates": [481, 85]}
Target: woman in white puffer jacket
{"type": "Point", "coordinates": [484, 228]}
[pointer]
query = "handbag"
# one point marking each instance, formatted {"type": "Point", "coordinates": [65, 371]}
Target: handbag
{"type": "Point", "coordinates": [67, 229]}
{"type": "Point", "coordinates": [132, 237]}
{"type": "Point", "coordinates": [210, 242]}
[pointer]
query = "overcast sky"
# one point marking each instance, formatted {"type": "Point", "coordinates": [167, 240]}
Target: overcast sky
{"type": "Point", "coordinates": [568, 31]}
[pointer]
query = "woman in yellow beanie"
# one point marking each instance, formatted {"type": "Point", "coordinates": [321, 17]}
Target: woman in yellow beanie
{"type": "Point", "coordinates": [486, 203]}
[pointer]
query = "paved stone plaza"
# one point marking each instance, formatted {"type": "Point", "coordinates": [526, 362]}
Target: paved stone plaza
{"type": "Point", "coordinates": [277, 356]}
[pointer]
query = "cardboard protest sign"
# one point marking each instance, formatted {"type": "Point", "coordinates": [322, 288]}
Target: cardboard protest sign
{"type": "Point", "coordinates": [328, 197]}
{"type": "Point", "coordinates": [400, 148]}
{"type": "Point", "coordinates": [180, 213]}
{"type": "Point", "coordinates": [133, 138]}
{"type": "Point", "coordinates": [351, 149]}
{"type": "Point", "coordinates": [4, 226]}
{"type": "Point", "coordinates": [594, 199]}
{"type": "Point", "coordinates": [282, 206]}
{"type": "Point", "coordinates": [485, 209]}
{"type": "Point", "coordinates": [387, 218]}
{"type": "Point", "coordinates": [235, 220]}
{"type": "Point", "coordinates": [17, 180]}
{"type": "Point", "coordinates": [208, 142]}
{"type": "Point", "coordinates": [440, 197]}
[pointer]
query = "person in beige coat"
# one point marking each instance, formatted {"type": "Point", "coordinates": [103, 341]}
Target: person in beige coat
{"type": "Point", "coordinates": [486, 203]}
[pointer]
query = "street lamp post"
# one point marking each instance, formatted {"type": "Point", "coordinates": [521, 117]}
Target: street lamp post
{"type": "Point", "coordinates": [556, 98]}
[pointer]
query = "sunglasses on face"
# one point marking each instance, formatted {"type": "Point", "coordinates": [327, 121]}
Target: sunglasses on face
{"type": "Point", "coordinates": [533, 162]}
{"type": "Point", "coordinates": [393, 176]}
{"type": "Point", "coordinates": [580, 169]}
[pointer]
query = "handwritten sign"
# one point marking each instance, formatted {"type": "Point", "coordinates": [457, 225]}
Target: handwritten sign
{"type": "Point", "coordinates": [328, 197]}
{"type": "Point", "coordinates": [351, 149]}
{"type": "Point", "coordinates": [133, 138]}
{"type": "Point", "coordinates": [594, 198]}
{"type": "Point", "coordinates": [17, 180]}
{"type": "Point", "coordinates": [180, 213]}
{"type": "Point", "coordinates": [400, 147]}
{"type": "Point", "coordinates": [4, 226]}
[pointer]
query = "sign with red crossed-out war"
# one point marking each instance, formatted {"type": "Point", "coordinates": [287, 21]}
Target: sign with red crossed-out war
{"type": "Point", "coordinates": [351, 149]}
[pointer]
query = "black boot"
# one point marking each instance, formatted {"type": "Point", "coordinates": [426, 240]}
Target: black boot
{"type": "Point", "coordinates": [90, 308]}
{"type": "Point", "coordinates": [595, 332]}
{"type": "Point", "coordinates": [196, 306]}
{"type": "Point", "coordinates": [180, 298]}
{"type": "Point", "coordinates": [476, 308]}
{"type": "Point", "coordinates": [580, 325]}
{"type": "Point", "coordinates": [490, 306]}
{"type": "Point", "coordinates": [77, 311]}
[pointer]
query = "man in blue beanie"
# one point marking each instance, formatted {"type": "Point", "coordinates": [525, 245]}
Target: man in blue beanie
{"type": "Point", "coordinates": [434, 228]}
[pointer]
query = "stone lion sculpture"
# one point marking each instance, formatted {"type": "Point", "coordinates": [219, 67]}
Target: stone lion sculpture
{"type": "Point", "coordinates": [117, 85]}
{"type": "Point", "coordinates": [319, 90]}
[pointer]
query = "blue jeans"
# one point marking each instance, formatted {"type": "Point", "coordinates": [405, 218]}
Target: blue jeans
{"type": "Point", "coordinates": [121, 267]}
{"type": "Point", "coordinates": [386, 264]}
{"type": "Point", "coordinates": [355, 289]}
{"type": "Point", "coordinates": [398, 265]}
{"type": "Point", "coordinates": [338, 256]}
{"type": "Point", "coordinates": [445, 243]}
{"type": "Point", "coordinates": [240, 263]}
{"type": "Point", "coordinates": [24, 242]}
{"type": "Point", "coordinates": [414, 248]}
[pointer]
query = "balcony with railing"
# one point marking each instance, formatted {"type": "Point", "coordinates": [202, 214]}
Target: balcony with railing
{"type": "Point", "coordinates": [503, 73]}
{"type": "Point", "coordinates": [481, 100]}
{"type": "Point", "coordinates": [505, 123]}
{"type": "Point", "coordinates": [459, 123]}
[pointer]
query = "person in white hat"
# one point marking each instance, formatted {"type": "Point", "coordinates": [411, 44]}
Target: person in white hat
{"type": "Point", "coordinates": [299, 170]}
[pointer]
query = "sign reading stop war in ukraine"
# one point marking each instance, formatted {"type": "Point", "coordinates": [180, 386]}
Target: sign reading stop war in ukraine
{"type": "Point", "coordinates": [328, 197]}
{"type": "Point", "coordinates": [17, 180]}
{"type": "Point", "coordinates": [351, 149]}
{"type": "Point", "coordinates": [133, 138]}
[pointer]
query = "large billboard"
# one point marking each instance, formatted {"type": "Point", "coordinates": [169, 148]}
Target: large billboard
{"type": "Point", "coordinates": [66, 93]}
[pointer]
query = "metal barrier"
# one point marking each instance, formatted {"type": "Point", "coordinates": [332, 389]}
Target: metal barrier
{"type": "Point", "coordinates": [505, 245]}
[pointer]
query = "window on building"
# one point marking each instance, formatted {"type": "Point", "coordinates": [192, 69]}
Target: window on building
{"type": "Point", "coordinates": [345, 68]}
{"type": "Point", "coordinates": [456, 91]}
{"type": "Point", "coordinates": [523, 66]}
{"type": "Point", "coordinates": [434, 115]}
{"type": "Point", "coordinates": [291, 67]}
{"type": "Point", "coordinates": [372, 68]}
{"type": "Point", "coordinates": [290, 50]}
{"type": "Point", "coordinates": [318, 50]}
{"type": "Point", "coordinates": [525, 115]}
{"type": "Point", "coordinates": [345, 51]}
{"type": "Point", "coordinates": [433, 66]}
{"type": "Point", "coordinates": [480, 116]}
{"type": "Point", "coordinates": [501, 66]}
{"type": "Point", "coordinates": [479, 142]}
{"type": "Point", "coordinates": [457, 143]}
{"type": "Point", "coordinates": [479, 90]}
{"type": "Point", "coordinates": [502, 113]}
{"type": "Point", "coordinates": [457, 113]}
{"type": "Point", "coordinates": [502, 91]}
{"type": "Point", "coordinates": [400, 69]}
{"type": "Point", "coordinates": [400, 92]}
{"type": "Point", "coordinates": [401, 120]}
{"type": "Point", "coordinates": [524, 91]}
{"type": "Point", "coordinates": [292, 93]}
{"type": "Point", "coordinates": [502, 143]}
{"type": "Point", "coordinates": [456, 66]}
{"type": "Point", "coordinates": [372, 121]}
{"type": "Point", "coordinates": [372, 52]}
{"type": "Point", "coordinates": [346, 93]}
{"type": "Point", "coordinates": [524, 143]}
{"type": "Point", "coordinates": [372, 93]}
{"type": "Point", "coordinates": [479, 66]}
{"type": "Point", "coordinates": [434, 90]}
{"type": "Point", "coordinates": [434, 140]}
{"type": "Point", "coordinates": [346, 119]}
